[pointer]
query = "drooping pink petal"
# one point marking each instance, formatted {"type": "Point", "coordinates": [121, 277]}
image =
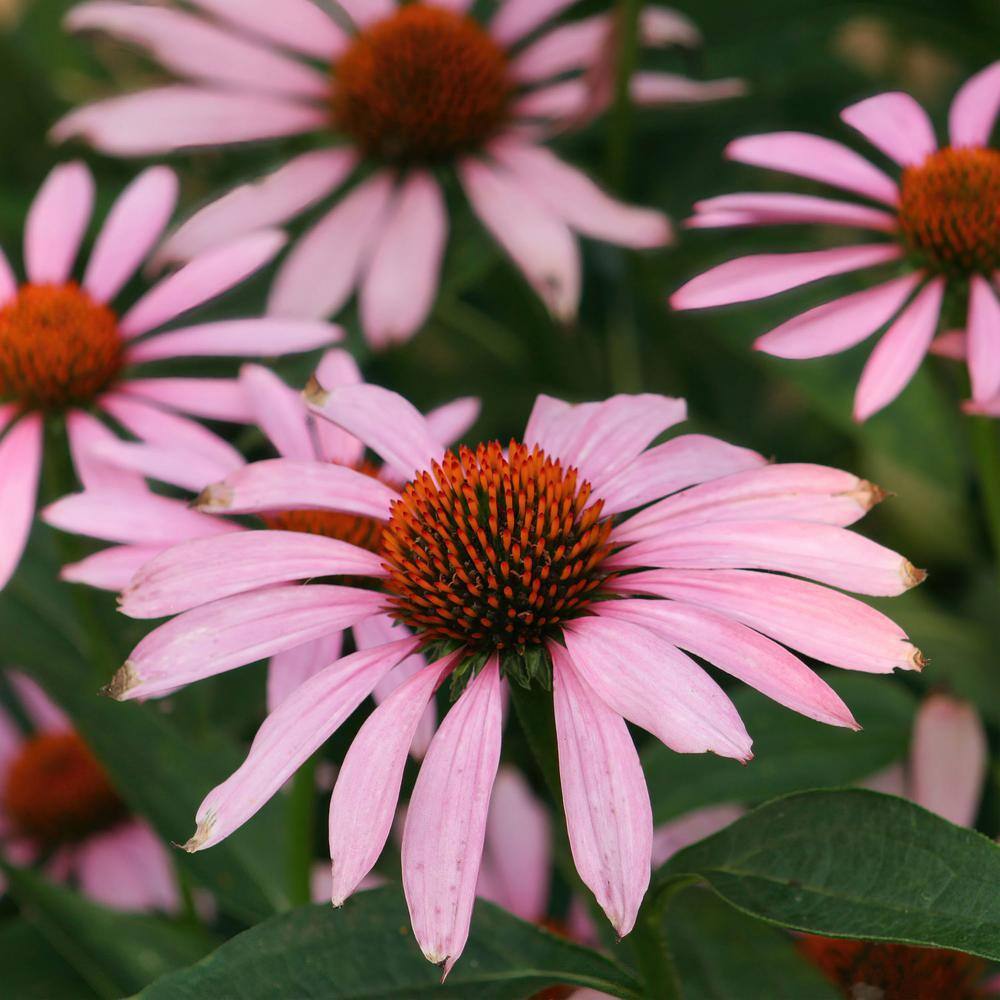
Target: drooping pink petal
{"type": "Point", "coordinates": [320, 273]}
{"type": "Point", "coordinates": [654, 685]}
{"type": "Point", "coordinates": [43, 713]}
{"type": "Point", "coordinates": [235, 631]}
{"type": "Point", "coordinates": [289, 736]}
{"type": "Point", "coordinates": [517, 18]}
{"type": "Point", "coordinates": [895, 124]}
{"type": "Point", "coordinates": [840, 324]}
{"type": "Point", "coordinates": [363, 804]}
{"type": "Point", "coordinates": [207, 569]}
{"type": "Point", "coordinates": [189, 470]}
{"type": "Point", "coordinates": [56, 222]}
{"type": "Point", "coordinates": [209, 398]}
{"type": "Point", "coordinates": [983, 339]}
{"type": "Point", "coordinates": [760, 275]}
{"type": "Point", "coordinates": [948, 759]}
{"type": "Point", "coordinates": [365, 12]}
{"type": "Point", "coordinates": [974, 109]}
{"type": "Point", "coordinates": [20, 466]}
{"type": "Point", "coordinates": [779, 209]}
{"type": "Point", "coordinates": [608, 816]}
{"type": "Point", "coordinates": [337, 368]}
{"type": "Point", "coordinates": [401, 283]}
{"type": "Point", "coordinates": [110, 569]}
{"type": "Point", "coordinates": [900, 350]}
{"type": "Point", "coordinates": [134, 224]}
{"type": "Point", "coordinates": [818, 159]}
{"type": "Point", "coordinates": [688, 829]}
{"type": "Point", "coordinates": [279, 412]}
{"type": "Point", "coordinates": [647, 88]}
{"type": "Point", "coordinates": [450, 422]}
{"type": "Point", "coordinates": [290, 668]}
{"type": "Point", "coordinates": [567, 100]}
{"type": "Point", "coordinates": [446, 819]}
{"type": "Point", "coordinates": [86, 433]}
{"type": "Point", "coordinates": [951, 344]}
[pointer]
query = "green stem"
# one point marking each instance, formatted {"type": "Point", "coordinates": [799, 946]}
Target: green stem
{"type": "Point", "coordinates": [650, 945]}
{"type": "Point", "coordinates": [986, 448]}
{"type": "Point", "coordinates": [300, 829]}
{"type": "Point", "coordinates": [620, 123]}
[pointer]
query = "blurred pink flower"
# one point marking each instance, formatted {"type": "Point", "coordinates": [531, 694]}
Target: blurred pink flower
{"type": "Point", "coordinates": [64, 351]}
{"type": "Point", "coordinates": [58, 808]}
{"type": "Point", "coordinates": [938, 228]}
{"type": "Point", "coordinates": [403, 91]}
{"type": "Point", "coordinates": [503, 563]}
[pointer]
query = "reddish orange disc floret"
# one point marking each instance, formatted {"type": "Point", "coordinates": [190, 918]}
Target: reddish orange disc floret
{"type": "Point", "coordinates": [494, 550]}
{"type": "Point", "coordinates": [58, 348]}
{"type": "Point", "coordinates": [422, 85]}
{"type": "Point", "coordinates": [949, 210]}
{"type": "Point", "coordinates": [56, 792]}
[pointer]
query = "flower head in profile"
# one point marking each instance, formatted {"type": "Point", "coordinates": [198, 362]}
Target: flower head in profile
{"type": "Point", "coordinates": [937, 236]}
{"type": "Point", "coordinates": [67, 353]}
{"type": "Point", "coordinates": [576, 558]}
{"type": "Point", "coordinates": [400, 92]}
{"type": "Point", "coordinates": [58, 809]}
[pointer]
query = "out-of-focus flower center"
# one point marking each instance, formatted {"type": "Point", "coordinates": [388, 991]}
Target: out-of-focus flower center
{"type": "Point", "coordinates": [865, 970]}
{"type": "Point", "coordinates": [494, 550]}
{"type": "Point", "coordinates": [949, 209]}
{"type": "Point", "coordinates": [58, 347]}
{"type": "Point", "coordinates": [56, 791]}
{"type": "Point", "coordinates": [421, 85]}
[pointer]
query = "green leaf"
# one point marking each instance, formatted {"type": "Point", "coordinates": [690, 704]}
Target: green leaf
{"type": "Point", "coordinates": [366, 949]}
{"type": "Point", "coordinates": [33, 969]}
{"type": "Point", "coordinates": [855, 863]}
{"type": "Point", "coordinates": [791, 752]}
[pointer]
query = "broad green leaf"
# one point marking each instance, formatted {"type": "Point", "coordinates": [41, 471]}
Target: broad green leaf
{"type": "Point", "coordinates": [367, 950]}
{"type": "Point", "coordinates": [791, 752]}
{"type": "Point", "coordinates": [855, 863]}
{"type": "Point", "coordinates": [33, 969]}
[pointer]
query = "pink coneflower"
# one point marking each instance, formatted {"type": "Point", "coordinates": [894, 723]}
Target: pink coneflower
{"type": "Point", "coordinates": [58, 808]}
{"type": "Point", "coordinates": [404, 92]}
{"type": "Point", "coordinates": [520, 563]}
{"type": "Point", "coordinates": [939, 230]}
{"type": "Point", "coordinates": [65, 352]}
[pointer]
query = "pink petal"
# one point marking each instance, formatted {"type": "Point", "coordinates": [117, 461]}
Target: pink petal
{"type": "Point", "coordinates": [279, 412]}
{"type": "Point", "coordinates": [670, 88]}
{"type": "Point", "coordinates": [208, 398]}
{"type": "Point", "coordinates": [293, 667]}
{"type": "Point", "coordinates": [974, 109]}
{"type": "Point", "coordinates": [779, 209]}
{"type": "Point", "coordinates": [840, 324]}
{"type": "Point", "coordinates": [43, 713]}
{"type": "Point", "coordinates": [86, 433]}
{"type": "Point", "coordinates": [20, 462]}
{"type": "Point", "coordinates": [654, 685]}
{"type": "Point", "coordinates": [948, 759]}
{"type": "Point", "coordinates": [538, 241]}
{"type": "Point", "coordinates": [688, 829]}
{"type": "Point", "coordinates": [898, 353]}
{"type": "Point", "coordinates": [56, 222]}
{"type": "Point", "coordinates": [761, 275]}
{"type": "Point", "coordinates": [951, 344]}
{"type": "Point", "coordinates": [207, 569]}
{"type": "Point", "coordinates": [818, 159]}
{"type": "Point", "coordinates": [365, 12]}
{"type": "Point", "coordinates": [815, 620]}
{"type": "Point", "coordinates": [567, 100]}
{"type": "Point", "coordinates": [576, 45]}
{"type": "Point", "coordinates": [446, 820]}
{"type": "Point", "coordinates": [363, 805]}
{"type": "Point", "coordinates": [337, 368]}
{"type": "Point", "coordinates": [134, 224]}
{"type": "Point", "coordinates": [608, 816]}
{"type": "Point", "coordinates": [110, 569]}
{"type": "Point", "coordinates": [983, 339]}
{"type": "Point", "coordinates": [552, 422]}
{"type": "Point", "coordinates": [894, 124]}
{"type": "Point", "coordinates": [889, 781]}
{"type": "Point", "coordinates": [8, 280]}
{"type": "Point", "coordinates": [660, 27]}
{"type": "Point", "coordinates": [235, 631]}
{"type": "Point", "coordinates": [399, 289]}
{"type": "Point", "coordinates": [290, 736]}
{"type": "Point", "coordinates": [517, 18]}
{"type": "Point", "coordinates": [452, 421]}
{"type": "Point", "coordinates": [182, 116]}
{"type": "Point", "coordinates": [317, 277]}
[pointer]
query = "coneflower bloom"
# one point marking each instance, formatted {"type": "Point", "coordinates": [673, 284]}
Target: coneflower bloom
{"type": "Point", "coordinates": [938, 231]}
{"type": "Point", "coordinates": [404, 92]}
{"type": "Point", "coordinates": [58, 808]}
{"type": "Point", "coordinates": [522, 563]}
{"type": "Point", "coordinates": [155, 523]}
{"type": "Point", "coordinates": [65, 351]}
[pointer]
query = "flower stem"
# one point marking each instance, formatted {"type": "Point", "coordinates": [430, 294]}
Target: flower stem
{"type": "Point", "coordinates": [986, 448]}
{"type": "Point", "coordinates": [650, 944]}
{"type": "Point", "coordinates": [620, 123]}
{"type": "Point", "coordinates": [301, 819]}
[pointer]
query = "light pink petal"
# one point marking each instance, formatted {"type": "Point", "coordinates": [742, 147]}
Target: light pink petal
{"type": "Point", "coordinates": [8, 280]}
{"type": "Point", "coordinates": [688, 829]}
{"type": "Point", "coordinates": [45, 715]}
{"type": "Point", "coordinates": [56, 222]}
{"type": "Point", "coordinates": [889, 781]}
{"type": "Point", "coordinates": [237, 630]}
{"type": "Point", "coordinates": [11, 738]}
{"type": "Point", "coordinates": [208, 398]}
{"type": "Point", "coordinates": [317, 277]}
{"type": "Point", "coordinates": [291, 668]}
{"type": "Point", "coordinates": [401, 283]}
{"type": "Point", "coordinates": [779, 209]}
{"type": "Point", "coordinates": [270, 201]}
{"type": "Point", "coordinates": [840, 324]}
{"type": "Point", "coordinates": [894, 124]}
{"type": "Point", "coordinates": [110, 569]}
{"type": "Point", "coordinates": [578, 201]}
{"type": "Point", "coordinates": [85, 434]}
{"type": "Point", "coordinates": [951, 344]}
{"type": "Point", "coordinates": [183, 116]}
{"type": "Point", "coordinates": [654, 685]}
{"type": "Point", "coordinates": [459, 6]}
{"type": "Point", "coordinates": [900, 350]}
{"type": "Point", "coordinates": [279, 412]}
{"type": "Point", "coordinates": [452, 421]}
{"type": "Point", "coordinates": [446, 819]}
{"type": "Point", "coordinates": [566, 100]}
{"type": "Point", "coordinates": [818, 159]}
{"type": "Point", "coordinates": [983, 339]}
{"type": "Point", "coordinates": [289, 736]}
{"type": "Point", "coordinates": [538, 241]}
{"type": "Point", "coordinates": [207, 569]}
{"type": "Point", "coordinates": [190, 470]}
{"type": "Point", "coordinates": [134, 224]}
{"type": "Point", "coordinates": [576, 45]}
{"type": "Point", "coordinates": [948, 759]}
{"type": "Point", "coordinates": [363, 805]}
{"type": "Point", "coordinates": [739, 651]}
{"type": "Point", "coordinates": [552, 422]}
{"type": "Point", "coordinates": [761, 275]}
{"type": "Point", "coordinates": [20, 465]}
{"type": "Point", "coordinates": [974, 109]}
{"type": "Point", "coordinates": [670, 88]}
{"type": "Point", "coordinates": [822, 623]}
{"type": "Point", "coordinates": [365, 12]}
{"type": "Point", "coordinates": [517, 18]}
{"type": "Point", "coordinates": [337, 368]}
